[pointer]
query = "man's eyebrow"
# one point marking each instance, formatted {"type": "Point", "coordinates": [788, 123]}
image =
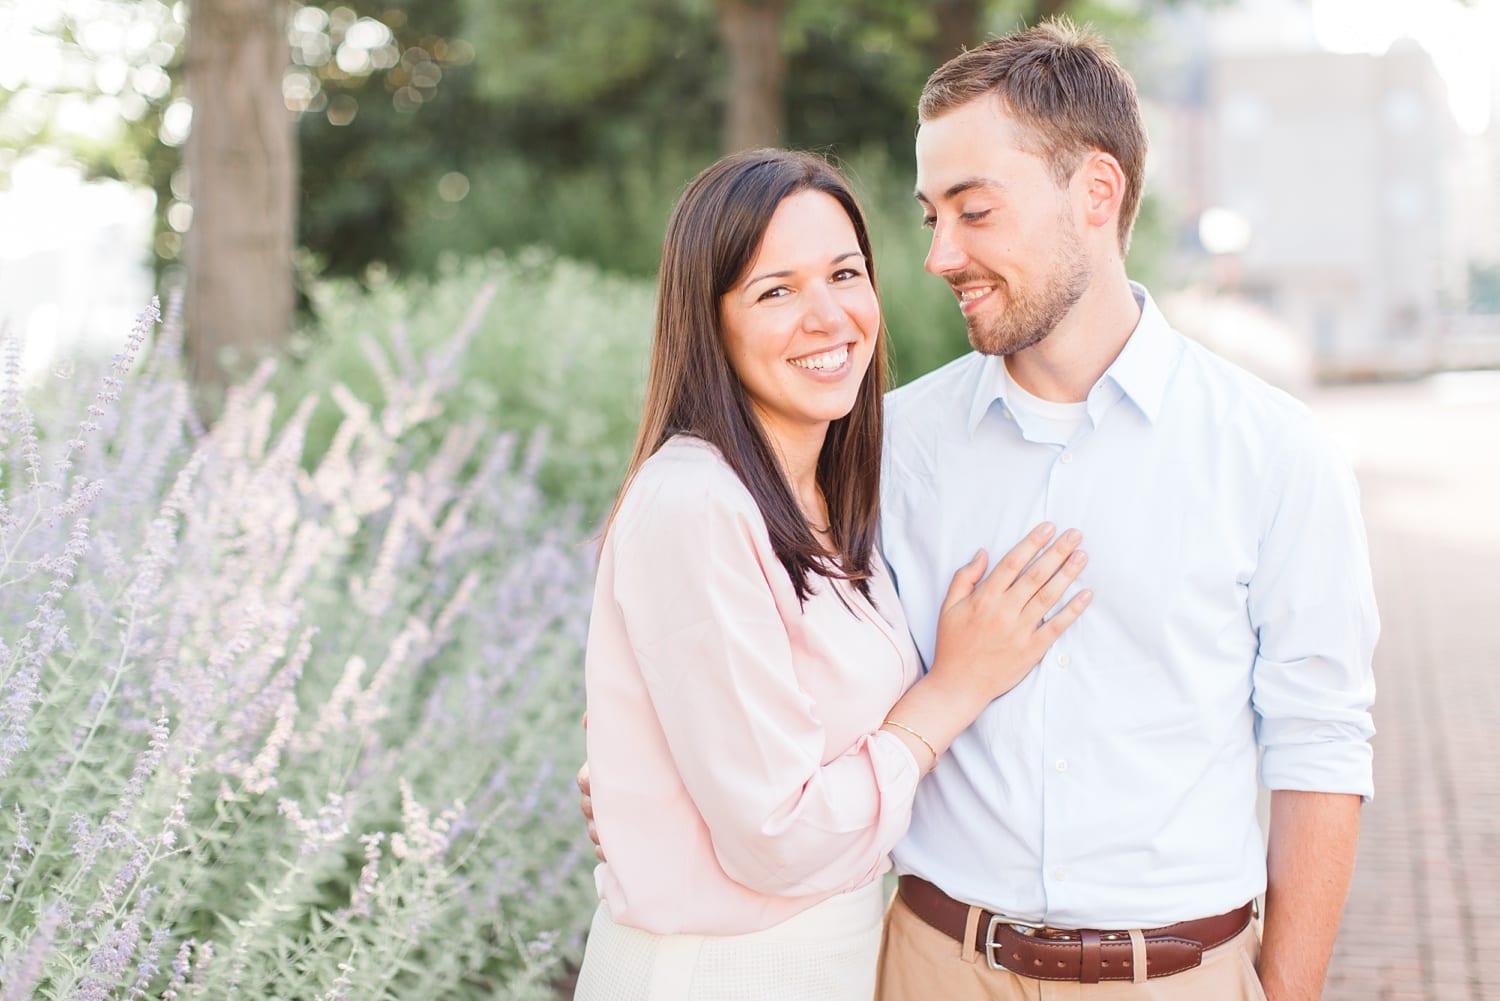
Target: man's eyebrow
{"type": "Point", "coordinates": [968, 184]}
{"type": "Point", "coordinates": [786, 274]}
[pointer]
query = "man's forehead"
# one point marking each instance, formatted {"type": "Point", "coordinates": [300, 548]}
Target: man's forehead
{"type": "Point", "coordinates": [974, 146]}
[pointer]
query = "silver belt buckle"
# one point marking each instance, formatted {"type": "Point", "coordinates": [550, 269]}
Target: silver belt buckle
{"type": "Point", "coordinates": [990, 945]}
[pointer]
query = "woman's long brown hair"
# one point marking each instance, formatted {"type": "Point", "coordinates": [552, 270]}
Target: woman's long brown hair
{"type": "Point", "coordinates": [712, 238]}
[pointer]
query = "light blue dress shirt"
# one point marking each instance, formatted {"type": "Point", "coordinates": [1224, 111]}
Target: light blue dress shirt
{"type": "Point", "coordinates": [1233, 623]}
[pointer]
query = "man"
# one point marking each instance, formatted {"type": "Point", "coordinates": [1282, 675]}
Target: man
{"type": "Point", "coordinates": [1094, 833]}
{"type": "Point", "coordinates": [1097, 826]}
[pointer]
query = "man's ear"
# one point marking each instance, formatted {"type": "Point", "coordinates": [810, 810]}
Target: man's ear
{"type": "Point", "coordinates": [1103, 184]}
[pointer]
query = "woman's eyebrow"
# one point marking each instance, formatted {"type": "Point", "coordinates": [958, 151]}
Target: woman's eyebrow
{"type": "Point", "coordinates": [786, 274]}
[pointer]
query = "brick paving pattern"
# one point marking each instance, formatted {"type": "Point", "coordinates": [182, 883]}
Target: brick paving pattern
{"type": "Point", "coordinates": [1425, 904]}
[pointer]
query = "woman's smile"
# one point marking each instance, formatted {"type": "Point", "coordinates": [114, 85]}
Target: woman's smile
{"type": "Point", "coordinates": [832, 362]}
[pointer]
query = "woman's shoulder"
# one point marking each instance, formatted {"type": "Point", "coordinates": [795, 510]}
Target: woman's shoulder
{"type": "Point", "coordinates": [687, 480]}
{"type": "Point", "coordinates": [688, 463]}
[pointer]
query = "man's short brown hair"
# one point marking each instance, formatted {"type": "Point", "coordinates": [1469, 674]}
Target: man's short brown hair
{"type": "Point", "coordinates": [1064, 85]}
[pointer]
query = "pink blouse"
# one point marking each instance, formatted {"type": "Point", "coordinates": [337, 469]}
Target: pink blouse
{"type": "Point", "coordinates": [739, 773]}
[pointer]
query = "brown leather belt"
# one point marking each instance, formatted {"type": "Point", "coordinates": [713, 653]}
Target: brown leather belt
{"type": "Point", "coordinates": [1081, 956]}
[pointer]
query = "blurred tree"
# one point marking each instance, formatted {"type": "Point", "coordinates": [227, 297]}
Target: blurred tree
{"type": "Point", "coordinates": [241, 159]}
{"type": "Point", "coordinates": [751, 31]}
{"type": "Point", "coordinates": [957, 26]}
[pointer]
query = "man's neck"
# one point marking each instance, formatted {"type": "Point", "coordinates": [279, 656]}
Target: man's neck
{"type": "Point", "coordinates": [1066, 364]}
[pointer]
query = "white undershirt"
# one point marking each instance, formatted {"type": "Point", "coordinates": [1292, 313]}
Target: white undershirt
{"type": "Point", "coordinates": [1043, 420]}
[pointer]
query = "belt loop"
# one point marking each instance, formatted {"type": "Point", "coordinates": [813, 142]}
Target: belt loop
{"type": "Point", "coordinates": [969, 947]}
{"type": "Point", "coordinates": [1137, 956]}
{"type": "Point", "coordinates": [1089, 967]}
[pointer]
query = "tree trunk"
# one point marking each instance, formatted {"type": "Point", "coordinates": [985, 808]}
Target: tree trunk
{"type": "Point", "coordinates": [242, 167]}
{"type": "Point", "coordinates": [957, 28]}
{"type": "Point", "coordinates": [751, 30]}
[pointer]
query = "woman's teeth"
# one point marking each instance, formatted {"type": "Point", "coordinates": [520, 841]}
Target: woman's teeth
{"type": "Point", "coordinates": [824, 362]}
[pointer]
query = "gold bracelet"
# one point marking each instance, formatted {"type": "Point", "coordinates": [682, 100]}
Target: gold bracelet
{"type": "Point", "coordinates": [925, 742]}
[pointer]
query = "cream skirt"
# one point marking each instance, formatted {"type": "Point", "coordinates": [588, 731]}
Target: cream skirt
{"type": "Point", "coordinates": [826, 953]}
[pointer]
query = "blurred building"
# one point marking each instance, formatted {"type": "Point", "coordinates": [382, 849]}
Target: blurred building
{"type": "Point", "coordinates": [1334, 190]}
{"type": "Point", "coordinates": [1337, 164]}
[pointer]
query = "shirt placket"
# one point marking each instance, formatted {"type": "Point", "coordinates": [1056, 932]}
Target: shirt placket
{"type": "Point", "coordinates": [1066, 482]}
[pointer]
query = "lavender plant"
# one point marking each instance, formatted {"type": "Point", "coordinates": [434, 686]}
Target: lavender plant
{"type": "Point", "coordinates": [564, 348]}
{"type": "Point", "coordinates": [277, 730]}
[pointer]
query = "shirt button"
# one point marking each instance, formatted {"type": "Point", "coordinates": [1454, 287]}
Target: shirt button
{"type": "Point", "coordinates": [1062, 764]}
{"type": "Point", "coordinates": [1063, 660]}
{"type": "Point", "coordinates": [1060, 873]}
{"type": "Point", "coordinates": [1067, 457]}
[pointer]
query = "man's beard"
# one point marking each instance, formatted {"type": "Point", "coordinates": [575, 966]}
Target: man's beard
{"type": "Point", "coordinates": [1027, 316]}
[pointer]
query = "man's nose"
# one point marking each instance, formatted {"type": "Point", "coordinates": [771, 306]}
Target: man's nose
{"type": "Point", "coordinates": [943, 256]}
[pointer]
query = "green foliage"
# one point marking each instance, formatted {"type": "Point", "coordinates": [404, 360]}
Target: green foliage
{"type": "Point", "coordinates": [376, 140]}
{"type": "Point", "coordinates": [610, 216]}
{"type": "Point", "coordinates": [555, 346]}
{"type": "Point", "coordinates": [568, 52]}
{"type": "Point", "coordinates": [530, 159]}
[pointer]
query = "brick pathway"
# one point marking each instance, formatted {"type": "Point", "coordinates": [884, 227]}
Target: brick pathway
{"type": "Point", "coordinates": [1425, 903]}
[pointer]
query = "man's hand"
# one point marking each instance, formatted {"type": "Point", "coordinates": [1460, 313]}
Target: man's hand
{"type": "Point", "coordinates": [586, 804]}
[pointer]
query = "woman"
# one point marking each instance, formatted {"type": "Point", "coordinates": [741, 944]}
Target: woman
{"type": "Point", "coordinates": [756, 723]}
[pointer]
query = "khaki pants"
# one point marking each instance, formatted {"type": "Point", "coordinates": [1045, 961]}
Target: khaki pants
{"type": "Point", "coordinates": [920, 963]}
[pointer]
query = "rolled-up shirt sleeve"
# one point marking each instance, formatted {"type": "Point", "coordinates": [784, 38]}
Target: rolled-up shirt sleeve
{"type": "Point", "coordinates": [693, 580]}
{"type": "Point", "coordinates": [1312, 602]}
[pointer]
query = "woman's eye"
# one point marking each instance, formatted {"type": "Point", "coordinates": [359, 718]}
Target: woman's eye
{"type": "Point", "coordinates": [845, 274]}
{"type": "Point", "coordinates": [773, 293]}
{"type": "Point", "coordinates": [974, 216]}
{"type": "Point", "coordinates": [929, 221]}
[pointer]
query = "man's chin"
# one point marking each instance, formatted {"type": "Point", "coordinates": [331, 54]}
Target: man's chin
{"type": "Point", "coordinates": [1004, 342]}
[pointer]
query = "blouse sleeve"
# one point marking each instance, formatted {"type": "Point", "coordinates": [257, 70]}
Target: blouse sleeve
{"type": "Point", "coordinates": [693, 572]}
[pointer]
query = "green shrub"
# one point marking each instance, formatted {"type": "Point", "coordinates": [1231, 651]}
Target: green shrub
{"type": "Point", "coordinates": [547, 345]}
{"type": "Point", "coordinates": [610, 215]}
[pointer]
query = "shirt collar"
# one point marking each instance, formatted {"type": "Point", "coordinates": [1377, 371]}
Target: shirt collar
{"type": "Point", "coordinates": [1145, 364]}
{"type": "Point", "coordinates": [1140, 371]}
{"type": "Point", "coordinates": [992, 386]}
